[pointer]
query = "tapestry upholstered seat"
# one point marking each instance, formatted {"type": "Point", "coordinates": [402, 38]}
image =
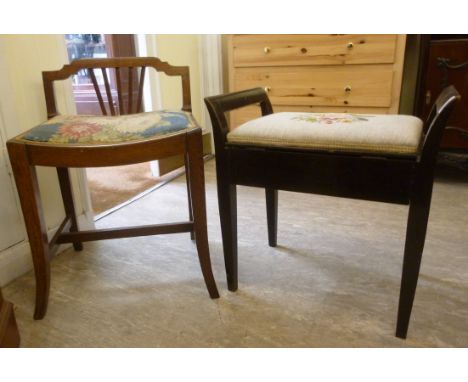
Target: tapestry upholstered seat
{"type": "Point", "coordinates": [84, 129]}
{"type": "Point", "coordinates": [363, 133]}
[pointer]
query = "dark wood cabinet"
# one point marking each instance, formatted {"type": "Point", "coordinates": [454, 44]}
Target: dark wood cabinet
{"type": "Point", "coordinates": [444, 61]}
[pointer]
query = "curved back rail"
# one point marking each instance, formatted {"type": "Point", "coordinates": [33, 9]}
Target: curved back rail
{"type": "Point", "coordinates": [131, 68]}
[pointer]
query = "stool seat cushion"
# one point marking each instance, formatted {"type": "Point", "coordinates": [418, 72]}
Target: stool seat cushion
{"type": "Point", "coordinates": [363, 133]}
{"type": "Point", "coordinates": [86, 129]}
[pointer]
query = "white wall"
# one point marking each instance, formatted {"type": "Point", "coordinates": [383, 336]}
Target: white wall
{"type": "Point", "coordinates": [23, 58]}
{"type": "Point", "coordinates": [177, 50]}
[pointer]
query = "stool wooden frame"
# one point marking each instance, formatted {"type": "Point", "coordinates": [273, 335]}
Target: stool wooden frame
{"type": "Point", "coordinates": [25, 155]}
{"type": "Point", "coordinates": [399, 179]}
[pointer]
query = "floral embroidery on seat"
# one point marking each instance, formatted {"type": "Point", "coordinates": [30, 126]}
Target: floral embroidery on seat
{"type": "Point", "coordinates": [104, 129]}
{"type": "Point", "coordinates": [77, 130]}
{"type": "Point", "coordinates": [328, 119]}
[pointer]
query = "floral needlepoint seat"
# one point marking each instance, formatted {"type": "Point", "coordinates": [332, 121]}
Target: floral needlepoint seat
{"type": "Point", "coordinates": [76, 129]}
{"type": "Point", "coordinates": [391, 134]}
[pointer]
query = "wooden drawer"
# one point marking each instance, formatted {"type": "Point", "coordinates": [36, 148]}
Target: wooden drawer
{"type": "Point", "coordinates": [359, 85]}
{"type": "Point", "coordinates": [245, 114]}
{"type": "Point", "coordinates": [279, 50]}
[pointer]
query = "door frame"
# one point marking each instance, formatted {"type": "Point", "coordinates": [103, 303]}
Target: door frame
{"type": "Point", "coordinates": [81, 189]}
{"type": "Point", "coordinates": [211, 72]}
{"type": "Point", "coordinates": [146, 45]}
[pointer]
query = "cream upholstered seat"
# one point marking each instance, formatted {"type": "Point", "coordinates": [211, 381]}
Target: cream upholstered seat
{"type": "Point", "coordinates": [387, 134]}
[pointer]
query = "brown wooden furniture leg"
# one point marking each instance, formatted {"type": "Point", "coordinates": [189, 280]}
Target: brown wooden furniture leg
{"type": "Point", "coordinates": [415, 236]}
{"type": "Point", "coordinates": [227, 199]}
{"type": "Point", "coordinates": [197, 185]}
{"type": "Point", "coordinates": [28, 190]}
{"type": "Point", "coordinates": [9, 334]}
{"type": "Point", "coordinates": [272, 215]}
{"type": "Point", "coordinates": [68, 203]}
{"type": "Point", "coordinates": [189, 194]}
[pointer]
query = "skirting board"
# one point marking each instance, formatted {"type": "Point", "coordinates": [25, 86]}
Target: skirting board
{"type": "Point", "coordinates": [16, 260]}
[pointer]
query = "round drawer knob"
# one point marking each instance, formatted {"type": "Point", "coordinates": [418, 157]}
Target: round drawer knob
{"type": "Point", "coordinates": [347, 89]}
{"type": "Point", "coordinates": [267, 49]}
{"type": "Point", "coordinates": [350, 45]}
{"type": "Point", "coordinates": [267, 89]}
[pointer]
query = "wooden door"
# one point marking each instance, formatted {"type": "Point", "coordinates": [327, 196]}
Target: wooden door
{"type": "Point", "coordinates": [446, 63]}
{"type": "Point", "coordinates": [108, 45]}
{"type": "Point", "coordinates": [99, 46]}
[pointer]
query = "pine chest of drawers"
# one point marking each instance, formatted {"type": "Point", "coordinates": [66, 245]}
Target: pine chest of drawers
{"type": "Point", "coordinates": [317, 73]}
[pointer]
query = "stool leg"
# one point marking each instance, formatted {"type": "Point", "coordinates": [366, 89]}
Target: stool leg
{"type": "Point", "coordinates": [227, 201]}
{"type": "Point", "coordinates": [415, 236]}
{"type": "Point", "coordinates": [28, 190]}
{"type": "Point", "coordinates": [197, 186]}
{"type": "Point", "coordinates": [272, 215]}
{"type": "Point", "coordinates": [68, 203]}
{"type": "Point", "coordinates": [189, 194]}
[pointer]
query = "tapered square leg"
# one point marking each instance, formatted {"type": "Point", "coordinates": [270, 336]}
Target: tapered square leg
{"type": "Point", "coordinates": [28, 191]}
{"type": "Point", "coordinates": [272, 215]}
{"type": "Point", "coordinates": [415, 237]}
{"type": "Point", "coordinates": [189, 194]}
{"type": "Point", "coordinates": [68, 202]}
{"type": "Point", "coordinates": [197, 187]}
{"type": "Point", "coordinates": [227, 201]}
